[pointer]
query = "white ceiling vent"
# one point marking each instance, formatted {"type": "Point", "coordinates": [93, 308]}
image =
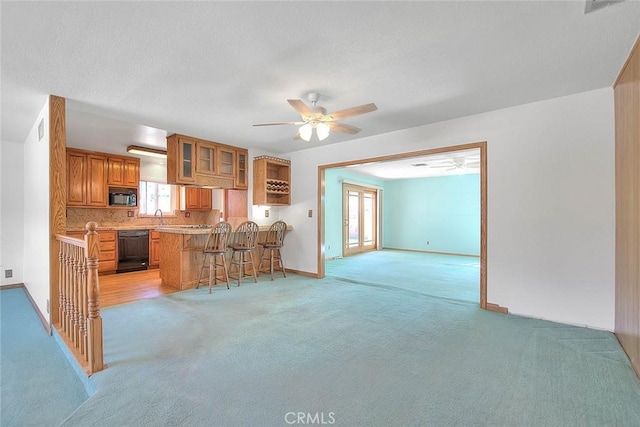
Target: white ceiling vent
{"type": "Point", "coordinates": [593, 5]}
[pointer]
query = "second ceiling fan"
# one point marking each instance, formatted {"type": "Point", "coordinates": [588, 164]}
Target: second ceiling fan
{"type": "Point", "coordinates": [315, 117]}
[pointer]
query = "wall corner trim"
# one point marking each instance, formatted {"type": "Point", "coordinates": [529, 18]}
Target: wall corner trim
{"type": "Point", "coordinates": [497, 308]}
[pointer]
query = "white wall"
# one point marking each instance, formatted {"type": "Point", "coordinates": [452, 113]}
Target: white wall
{"type": "Point", "coordinates": [550, 202]}
{"type": "Point", "coordinates": [36, 213]}
{"type": "Point", "coordinates": [151, 170]}
{"type": "Point", "coordinates": [11, 211]}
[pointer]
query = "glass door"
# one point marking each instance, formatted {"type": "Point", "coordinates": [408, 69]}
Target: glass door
{"type": "Point", "coordinates": [360, 218]}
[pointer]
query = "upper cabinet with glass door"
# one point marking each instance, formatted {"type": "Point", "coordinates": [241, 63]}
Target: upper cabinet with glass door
{"type": "Point", "coordinates": [227, 161]}
{"type": "Point", "coordinates": [181, 170]}
{"type": "Point", "coordinates": [206, 154]}
{"type": "Point", "coordinates": [242, 169]}
{"type": "Point", "coordinates": [194, 161]}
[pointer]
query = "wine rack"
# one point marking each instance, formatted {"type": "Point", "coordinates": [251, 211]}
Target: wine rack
{"type": "Point", "coordinates": [278, 187]}
{"type": "Point", "coordinates": [271, 181]}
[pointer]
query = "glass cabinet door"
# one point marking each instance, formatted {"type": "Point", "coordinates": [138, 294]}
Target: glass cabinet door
{"type": "Point", "coordinates": [241, 169]}
{"type": "Point", "coordinates": [186, 151]}
{"type": "Point", "coordinates": [206, 159]}
{"type": "Point", "coordinates": [226, 157]}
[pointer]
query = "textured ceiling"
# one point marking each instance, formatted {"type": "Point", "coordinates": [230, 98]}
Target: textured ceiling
{"type": "Point", "coordinates": [211, 69]}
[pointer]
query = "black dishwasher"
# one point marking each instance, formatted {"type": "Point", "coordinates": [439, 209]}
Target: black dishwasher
{"type": "Point", "coordinates": [133, 250]}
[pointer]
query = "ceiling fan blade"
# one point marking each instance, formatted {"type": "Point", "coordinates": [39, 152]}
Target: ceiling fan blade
{"type": "Point", "coordinates": [341, 127]}
{"type": "Point", "coordinates": [279, 123]}
{"type": "Point", "coordinates": [354, 111]}
{"type": "Point", "coordinates": [300, 107]}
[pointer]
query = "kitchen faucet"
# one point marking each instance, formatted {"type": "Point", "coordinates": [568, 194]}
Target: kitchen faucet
{"type": "Point", "coordinates": [156, 214]}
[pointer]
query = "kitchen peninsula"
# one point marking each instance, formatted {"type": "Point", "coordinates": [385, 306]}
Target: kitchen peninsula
{"type": "Point", "coordinates": [181, 253]}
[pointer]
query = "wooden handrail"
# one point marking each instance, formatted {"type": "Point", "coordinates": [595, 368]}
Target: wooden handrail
{"type": "Point", "coordinates": [79, 298]}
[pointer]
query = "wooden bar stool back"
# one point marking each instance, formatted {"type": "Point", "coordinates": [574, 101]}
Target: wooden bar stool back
{"type": "Point", "coordinates": [271, 247]}
{"type": "Point", "coordinates": [243, 243]}
{"type": "Point", "coordinates": [214, 247]}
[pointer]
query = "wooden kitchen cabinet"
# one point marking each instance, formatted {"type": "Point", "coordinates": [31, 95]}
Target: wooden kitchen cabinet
{"type": "Point", "coordinates": [241, 178]}
{"type": "Point", "coordinates": [226, 161]}
{"type": "Point", "coordinates": [195, 199]}
{"type": "Point", "coordinates": [89, 175]}
{"type": "Point", "coordinates": [194, 161]}
{"type": "Point", "coordinates": [206, 158]}
{"type": "Point", "coordinates": [86, 179]}
{"type": "Point", "coordinates": [123, 172]}
{"type": "Point", "coordinates": [97, 193]}
{"type": "Point", "coordinates": [108, 259]}
{"type": "Point", "coordinates": [181, 158]}
{"type": "Point", "coordinates": [76, 179]}
{"type": "Point", "coordinates": [205, 199]}
{"type": "Point", "coordinates": [154, 249]}
{"type": "Point", "coordinates": [271, 181]}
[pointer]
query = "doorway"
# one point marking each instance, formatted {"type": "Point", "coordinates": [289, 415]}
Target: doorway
{"type": "Point", "coordinates": [360, 219]}
{"type": "Point", "coordinates": [481, 146]}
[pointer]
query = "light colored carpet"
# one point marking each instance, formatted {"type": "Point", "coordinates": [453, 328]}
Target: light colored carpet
{"type": "Point", "coordinates": [357, 354]}
{"type": "Point", "coordinates": [38, 386]}
{"type": "Point", "coordinates": [438, 275]}
{"type": "Point", "coordinates": [368, 355]}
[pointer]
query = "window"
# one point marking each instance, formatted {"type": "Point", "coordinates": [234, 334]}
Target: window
{"type": "Point", "coordinates": [154, 195]}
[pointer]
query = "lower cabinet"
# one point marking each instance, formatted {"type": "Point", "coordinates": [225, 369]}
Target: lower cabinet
{"type": "Point", "coordinates": [108, 259]}
{"type": "Point", "coordinates": [154, 249]}
{"type": "Point", "coordinates": [108, 251]}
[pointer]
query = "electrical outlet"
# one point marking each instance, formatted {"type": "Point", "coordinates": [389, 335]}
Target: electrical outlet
{"type": "Point", "coordinates": [266, 213]}
{"type": "Point", "coordinates": [328, 247]}
{"type": "Point", "coordinates": [310, 213]}
{"type": "Point", "coordinates": [8, 274]}
{"type": "Point", "coordinates": [187, 214]}
{"type": "Point", "coordinates": [130, 214]}
{"type": "Point", "coordinates": [427, 242]}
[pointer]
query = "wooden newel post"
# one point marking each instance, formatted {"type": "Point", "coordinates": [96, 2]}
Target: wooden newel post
{"type": "Point", "coordinates": [94, 321]}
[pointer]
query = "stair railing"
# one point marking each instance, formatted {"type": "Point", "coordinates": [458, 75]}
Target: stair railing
{"type": "Point", "coordinates": [79, 293]}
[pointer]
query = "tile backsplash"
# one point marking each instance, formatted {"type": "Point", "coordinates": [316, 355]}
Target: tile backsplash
{"type": "Point", "coordinates": [77, 218]}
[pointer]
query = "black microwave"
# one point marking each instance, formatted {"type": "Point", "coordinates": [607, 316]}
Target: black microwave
{"type": "Point", "coordinates": [123, 199]}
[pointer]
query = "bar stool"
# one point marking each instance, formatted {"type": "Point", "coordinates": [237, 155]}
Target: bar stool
{"type": "Point", "coordinates": [243, 243]}
{"type": "Point", "coordinates": [272, 243]}
{"type": "Point", "coordinates": [214, 247]}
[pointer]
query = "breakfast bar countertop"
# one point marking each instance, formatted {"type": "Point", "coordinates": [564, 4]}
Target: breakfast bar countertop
{"type": "Point", "coordinates": [184, 229]}
{"type": "Point", "coordinates": [199, 229]}
{"type": "Point", "coordinates": [176, 229]}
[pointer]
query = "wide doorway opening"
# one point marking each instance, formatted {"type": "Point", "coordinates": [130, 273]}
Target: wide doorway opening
{"type": "Point", "coordinates": [423, 235]}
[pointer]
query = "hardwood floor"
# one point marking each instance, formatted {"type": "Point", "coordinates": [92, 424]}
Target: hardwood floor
{"type": "Point", "coordinates": [126, 287]}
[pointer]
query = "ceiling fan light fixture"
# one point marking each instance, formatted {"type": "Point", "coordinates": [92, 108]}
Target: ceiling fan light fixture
{"type": "Point", "coordinates": [306, 131]}
{"type": "Point", "coordinates": [322, 130]}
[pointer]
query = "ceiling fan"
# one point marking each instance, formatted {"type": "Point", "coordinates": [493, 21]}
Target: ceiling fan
{"type": "Point", "coordinates": [315, 117]}
{"type": "Point", "coordinates": [459, 163]}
